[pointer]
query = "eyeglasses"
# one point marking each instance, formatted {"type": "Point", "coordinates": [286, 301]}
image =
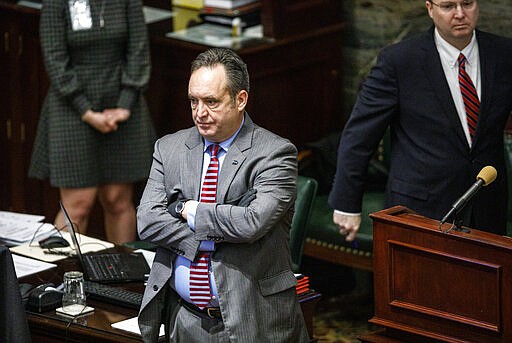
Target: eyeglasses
{"type": "Point", "coordinates": [452, 6]}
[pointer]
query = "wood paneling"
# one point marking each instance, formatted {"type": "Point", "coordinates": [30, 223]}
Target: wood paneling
{"type": "Point", "coordinates": [436, 286]}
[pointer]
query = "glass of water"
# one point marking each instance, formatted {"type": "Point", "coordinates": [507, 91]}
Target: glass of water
{"type": "Point", "coordinates": [73, 298]}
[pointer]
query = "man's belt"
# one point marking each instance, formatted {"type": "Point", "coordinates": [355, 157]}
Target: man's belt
{"type": "Point", "coordinates": [208, 312]}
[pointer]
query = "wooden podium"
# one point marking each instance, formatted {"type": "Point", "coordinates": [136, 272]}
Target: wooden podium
{"type": "Point", "coordinates": [435, 286]}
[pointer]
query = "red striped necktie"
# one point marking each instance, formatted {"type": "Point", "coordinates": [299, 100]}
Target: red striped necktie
{"type": "Point", "coordinates": [200, 293]}
{"type": "Point", "coordinates": [469, 95]}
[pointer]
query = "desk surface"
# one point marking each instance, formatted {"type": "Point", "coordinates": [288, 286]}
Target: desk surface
{"type": "Point", "coordinates": [49, 327]}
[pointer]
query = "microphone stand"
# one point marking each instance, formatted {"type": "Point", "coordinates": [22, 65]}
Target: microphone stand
{"type": "Point", "coordinates": [457, 225]}
{"type": "Point", "coordinates": [485, 176]}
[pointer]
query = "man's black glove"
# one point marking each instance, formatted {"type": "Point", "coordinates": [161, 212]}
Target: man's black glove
{"type": "Point", "coordinates": [247, 198]}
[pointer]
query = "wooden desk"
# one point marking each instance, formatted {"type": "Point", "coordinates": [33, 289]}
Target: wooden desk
{"type": "Point", "coordinates": [48, 327]}
{"type": "Point", "coordinates": [432, 285]}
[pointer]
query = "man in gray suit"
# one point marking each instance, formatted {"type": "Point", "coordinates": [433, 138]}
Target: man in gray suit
{"type": "Point", "coordinates": [244, 231]}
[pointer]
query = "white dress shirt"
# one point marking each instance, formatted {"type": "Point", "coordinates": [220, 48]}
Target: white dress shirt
{"type": "Point", "coordinates": [449, 55]}
{"type": "Point", "coordinates": [181, 275]}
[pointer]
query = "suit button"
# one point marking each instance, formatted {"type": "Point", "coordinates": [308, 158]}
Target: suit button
{"type": "Point", "coordinates": [155, 288]}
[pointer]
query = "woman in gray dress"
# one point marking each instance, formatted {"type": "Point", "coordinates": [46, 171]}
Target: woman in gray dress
{"type": "Point", "coordinates": [95, 136]}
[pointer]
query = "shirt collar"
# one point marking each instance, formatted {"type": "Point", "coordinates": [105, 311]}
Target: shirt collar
{"type": "Point", "coordinates": [224, 144]}
{"type": "Point", "coordinates": [451, 53]}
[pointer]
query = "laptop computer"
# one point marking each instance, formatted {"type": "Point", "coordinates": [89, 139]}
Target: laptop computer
{"type": "Point", "coordinates": [107, 267]}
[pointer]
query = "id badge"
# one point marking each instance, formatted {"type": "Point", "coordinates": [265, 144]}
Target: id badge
{"type": "Point", "coordinates": [80, 12]}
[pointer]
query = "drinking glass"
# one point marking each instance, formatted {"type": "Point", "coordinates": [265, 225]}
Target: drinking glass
{"type": "Point", "coordinates": [73, 299]}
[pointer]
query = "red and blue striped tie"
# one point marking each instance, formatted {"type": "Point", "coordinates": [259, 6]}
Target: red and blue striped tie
{"type": "Point", "coordinates": [469, 95]}
{"type": "Point", "coordinates": [200, 293]}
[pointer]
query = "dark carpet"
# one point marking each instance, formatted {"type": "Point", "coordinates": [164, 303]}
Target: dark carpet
{"type": "Point", "coordinates": [346, 305]}
{"type": "Point", "coordinates": [342, 319]}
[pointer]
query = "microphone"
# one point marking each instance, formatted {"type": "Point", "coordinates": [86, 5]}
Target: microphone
{"type": "Point", "coordinates": [486, 176]}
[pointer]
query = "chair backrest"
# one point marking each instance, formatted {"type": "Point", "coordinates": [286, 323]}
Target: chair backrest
{"type": "Point", "coordinates": [306, 192]}
{"type": "Point", "coordinates": [13, 319]}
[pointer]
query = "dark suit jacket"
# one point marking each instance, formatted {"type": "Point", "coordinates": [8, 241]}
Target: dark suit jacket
{"type": "Point", "coordinates": [431, 163]}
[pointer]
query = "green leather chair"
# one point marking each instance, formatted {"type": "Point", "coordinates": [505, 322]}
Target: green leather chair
{"type": "Point", "coordinates": [306, 192]}
{"type": "Point", "coordinates": [323, 239]}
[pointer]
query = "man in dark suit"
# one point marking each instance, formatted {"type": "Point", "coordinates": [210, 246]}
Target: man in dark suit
{"type": "Point", "coordinates": [414, 89]}
{"type": "Point", "coordinates": [239, 225]}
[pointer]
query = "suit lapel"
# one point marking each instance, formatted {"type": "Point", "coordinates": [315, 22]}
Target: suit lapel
{"type": "Point", "coordinates": [234, 159]}
{"type": "Point", "coordinates": [487, 73]}
{"type": "Point", "coordinates": [191, 173]}
{"type": "Point", "coordinates": [435, 74]}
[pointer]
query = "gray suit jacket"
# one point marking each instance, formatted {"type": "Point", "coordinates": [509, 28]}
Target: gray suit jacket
{"type": "Point", "coordinates": [251, 263]}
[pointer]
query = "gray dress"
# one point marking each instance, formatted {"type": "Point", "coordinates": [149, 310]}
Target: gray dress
{"type": "Point", "coordinates": [94, 68]}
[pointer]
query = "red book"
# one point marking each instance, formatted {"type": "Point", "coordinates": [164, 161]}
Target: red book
{"type": "Point", "coordinates": [302, 284]}
{"type": "Point", "coordinates": [302, 290]}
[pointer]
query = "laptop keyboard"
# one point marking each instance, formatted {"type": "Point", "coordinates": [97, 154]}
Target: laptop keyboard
{"type": "Point", "coordinates": [113, 295]}
{"type": "Point", "coordinates": [105, 266]}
